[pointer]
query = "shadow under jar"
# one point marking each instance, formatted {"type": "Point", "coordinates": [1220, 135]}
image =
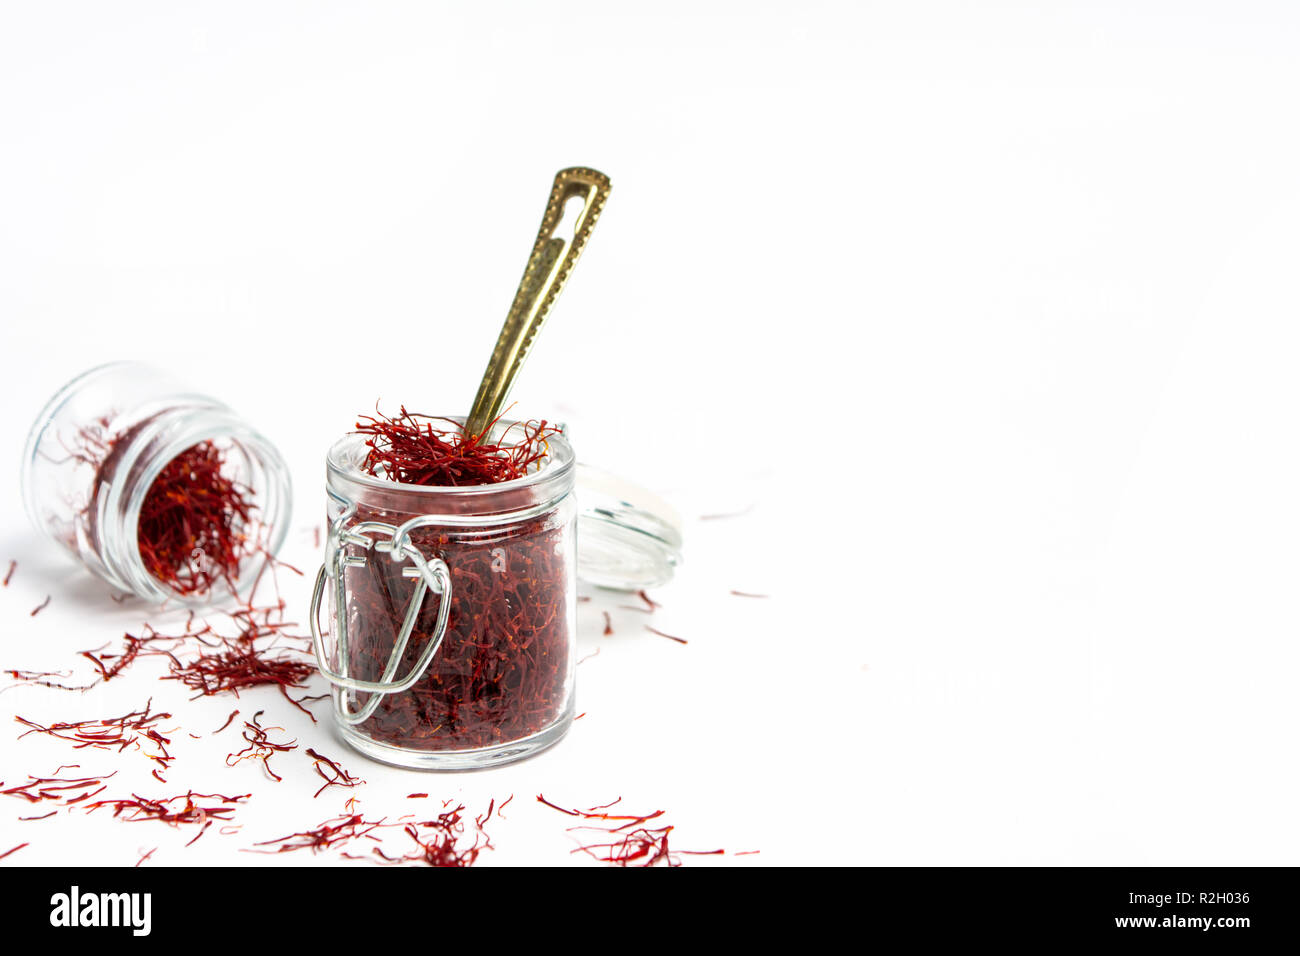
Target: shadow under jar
{"type": "Point", "coordinates": [451, 635]}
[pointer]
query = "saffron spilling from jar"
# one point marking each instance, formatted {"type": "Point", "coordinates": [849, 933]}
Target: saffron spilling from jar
{"type": "Point", "coordinates": [503, 672]}
{"type": "Point", "coordinates": [162, 491]}
{"type": "Point", "coordinates": [194, 527]}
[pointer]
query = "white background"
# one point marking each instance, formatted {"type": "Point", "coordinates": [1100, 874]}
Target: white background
{"type": "Point", "coordinates": [988, 310]}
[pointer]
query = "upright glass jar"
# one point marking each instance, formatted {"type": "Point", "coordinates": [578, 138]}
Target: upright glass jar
{"type": "Point", "coordinates": [99, 445]}
{"type": "Point", "coordinates": [451, 631]}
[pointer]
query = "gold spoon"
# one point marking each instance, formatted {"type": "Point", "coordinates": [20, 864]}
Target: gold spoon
{"type": "Point", "coordinates": [553, 258]}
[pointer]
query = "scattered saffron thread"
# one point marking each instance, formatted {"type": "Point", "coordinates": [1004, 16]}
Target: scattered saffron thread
{"type": "Point", "coordinates": [10, 573]}
{"type": "Point", "coordinates": [42, 606]}
{"type": "Point", "coordinates": [261, 746]}
{"type": "Point", "coordinates": [444, 840]}
{"type": "Point", "coordinates": [229, 664]}
{"type": "Point", "coordinates": [229, 720]}
{"type": "Point", "coordinates": [38, 678]}
{"type": "Point", "coordinates": [679, 640]}
{"type": "Point", "coordinates": [331, 773]}
{"type": "Point", "coordinates": [64, 791]}
{"type": "Point", "coordinates": [439, 840]}
{"type": "Point", "coordinates": [331, 833]}
{"type": "Point", "coordinates": [113, 733]}
{"type": "Point", "coordinates": [137, 808]}
{"type": "Point", "coordinates": [630, 841]}
{"type": "Point", "coordinates": [14, 850]}
{"type": "Point", "coordinates": [609, 625]}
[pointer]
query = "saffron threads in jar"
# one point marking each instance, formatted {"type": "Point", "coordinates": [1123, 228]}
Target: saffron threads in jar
{"type": "Point", "coordinates": [193, 529]}
{"type": "Point", "coordinates": [409, 449]}
{"type": "Point", "coordinates": [502, 672]}
{"type": "Point", "coordinates": [192, 523]}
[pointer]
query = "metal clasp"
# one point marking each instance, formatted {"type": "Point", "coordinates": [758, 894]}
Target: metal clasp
{"type": "Point", "coordinates": [432, 574]}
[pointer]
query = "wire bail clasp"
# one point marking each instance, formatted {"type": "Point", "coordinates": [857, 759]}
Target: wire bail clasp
{"type": "Point", "coordinates": [431, 574]}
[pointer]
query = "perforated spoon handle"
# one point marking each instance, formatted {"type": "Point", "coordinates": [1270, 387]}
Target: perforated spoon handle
{"type": "Point", "coordinates": [549, 266]}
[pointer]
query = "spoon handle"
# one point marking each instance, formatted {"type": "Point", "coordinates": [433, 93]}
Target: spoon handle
{"type": "Point", "coordinates": [553, 258]}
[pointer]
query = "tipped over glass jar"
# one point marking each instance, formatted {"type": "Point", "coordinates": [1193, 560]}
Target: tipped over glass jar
{"type": "Point", "coordinates": [163, 492]}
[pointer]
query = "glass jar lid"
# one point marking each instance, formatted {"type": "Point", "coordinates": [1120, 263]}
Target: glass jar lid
{"type": "Point", "coordinates": [627, 537]}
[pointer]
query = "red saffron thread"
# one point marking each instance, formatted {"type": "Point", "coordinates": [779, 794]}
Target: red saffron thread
{"type": "Point", "coordinates": [229, 664]}
{"type": "Point", "coordinates": [146, 856]}
{"type": "Point", "coordinates": [442, 841]}
{"type": "Point", "coordinates": [10, 573]}
{"type": "Point", "coordinates": [137, 808]}
{"type": "Point", "coordinates": [609, 625]}
{"type": "Point", "coordinates": [630, 843]}
{"type": "Point", "coordinates": [261, 746]}
{"type": "Point", "coordinates": [42, 606]}
{"type": "Point", "coordinates": [61, 790]}
{"type": "Point", "coordinates": [336, 775]}
{"type": "Point", "coordinates": [113, 733]}
{"type": "Point", "coordinates": [229, 720]}
{"type": "Point", "coordinates": [439, 840]}
{"type": "Point", "coordinates": [14, 850]}
{"type": "Point", "coordinates": [679, 640]}
{"type": "Point", "coordinates": [38, 678]}
{"type": "Point", "coordinates": [331, 833]}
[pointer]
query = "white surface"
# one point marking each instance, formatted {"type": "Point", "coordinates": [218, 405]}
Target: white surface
{"type": "Point", "coordinates": [989, 309]}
